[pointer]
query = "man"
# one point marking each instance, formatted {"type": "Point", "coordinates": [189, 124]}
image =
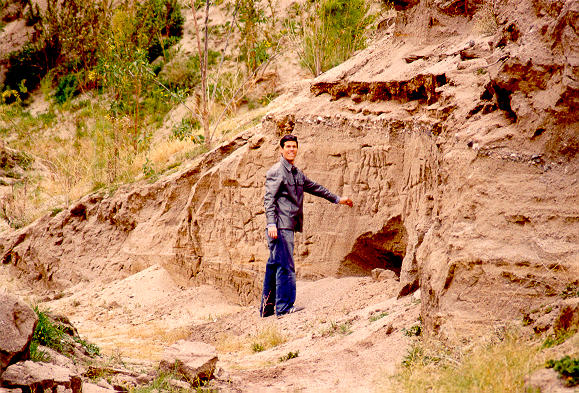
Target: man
{"type": "Point", "coordinates": [284, 196]}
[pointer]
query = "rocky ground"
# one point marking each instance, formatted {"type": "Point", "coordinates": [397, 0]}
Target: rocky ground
{"type": "Point", "coordinates": [350, 337]}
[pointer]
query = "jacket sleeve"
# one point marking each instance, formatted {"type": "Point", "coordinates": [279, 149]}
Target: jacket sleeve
{"type": "Point", "coordinates": [273, 181]}
{"type": "Point", "coordinates": [311, 187]}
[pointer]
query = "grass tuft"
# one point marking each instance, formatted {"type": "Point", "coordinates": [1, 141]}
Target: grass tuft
{"type": "Point", "coordinates": [558, 338]}
{"type": "Point", "coordinates": [500, 366]}
{"type": "Point", "coordinates": [267, 337]}
{"type": "Point", "coordinates": [376, 316]}
{"type": "Point", "coordinates": [344, 328]}
{"type": "Point", "coordinates": [289, 355]}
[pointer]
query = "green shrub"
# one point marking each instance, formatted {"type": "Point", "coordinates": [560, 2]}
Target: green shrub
{"type": "Point", "coordinates": [92, 349]}
{"type": "Point", "coordinates": [568, 369]}
{"type": "Point", "coordinates": [344, 328]}
{"type": "Point", "coordinates": [558, 338]}
{"type": "Point", "coordinates": [330, 32]}
{"type": "Point", "coordinates": [66, 89]}
{"type": "Point", "coordinates": [571, 290]}
{"type": "Point", "coordinates": [158, 19]}
{"type": "Point", "coordinates": [256, 38]}
{"type": "Point", "coordinates": [47, 333]}
{"type": "Point", "coordinates": [415, 330]}
{"type": "Point", "coordinates": [290, 355]}
{"type": "Point", "coordinates": [28, 66]}
{"type": "Point", "coordinates": [36, 355]}
{"type": "Point", "coordinates": [185, 129]}
{"type": "Point", "coordinates": [257, 347]}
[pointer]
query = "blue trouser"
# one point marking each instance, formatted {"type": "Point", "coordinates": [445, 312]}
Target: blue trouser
{"type": "Point", "coordinates": [279, 284]}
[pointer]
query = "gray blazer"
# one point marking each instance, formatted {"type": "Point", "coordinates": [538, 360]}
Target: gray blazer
{"type": "Point", "coordinates": [284, 195]}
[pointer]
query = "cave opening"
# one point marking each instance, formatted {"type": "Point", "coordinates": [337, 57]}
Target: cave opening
{"type": "Point", "coordinates": [384, 249]}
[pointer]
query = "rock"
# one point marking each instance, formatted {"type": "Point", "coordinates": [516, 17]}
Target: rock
{"type": "Point", "coordinates": [123, 382]}
{"type": "Point", "coordinates": [6, 390]}
{"type": "Point", "coordinates": [17, 323]}
{"type": "Point", "coordinates": [546, 380]}
{"type": "Point", "coordinates": [34, 376]}
{"type": "Point", "coordinates": [92, 388]}
{"type": "Point", "coordinates": [568, 316]}
{"type": "Point", "coordinates": [543, 323]}
{"type": "Point", "coordinates": [379, 274]}
{"type": "Point", "coordinates": [457, 7]}
{"type": "Point", "coordinates": [400, 5]}
{"type": "Point", "coordinates": [192, 360]}
{"type": "Point", "coordinates": [56, 358]}
{"type": "Point", "coordinates": [144, 379]}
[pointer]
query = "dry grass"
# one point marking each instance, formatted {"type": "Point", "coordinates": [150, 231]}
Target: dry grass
{"type": "Point", "coordinates": [267, 337]}
{"type": "Point", "coordinates": [144, 341]}
{"type": "Point", "coordinates": [227, 342]}
{"type": "Point", "coordinates": [485, 21]}
{"type": "Point", "coordinates": [79, 148]}
{"type": "Point", "coordinates": [498, 366]}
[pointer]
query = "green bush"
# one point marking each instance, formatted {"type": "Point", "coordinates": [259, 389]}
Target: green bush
{"type": "Point", "coordinates": [415, 330]}
{"type": "Point", "coordinates": [290, 355]}
{"type": "Point", "coordinates": [47, 333]}
{"type": "Point", "coordinates": [185, 129]}
{"type": "Point", "coordinates": [66, 89]}
{"type": "Point", "coordinates": [28, 66]}
{"type": "Point", "coordinates": [330, 33]}
{"type": "Point", "coordinates": [158, 19]}
{"type": "Point", "coordinates": [558, 338]}
{"type": "Point", "coordinates": [568, 369]}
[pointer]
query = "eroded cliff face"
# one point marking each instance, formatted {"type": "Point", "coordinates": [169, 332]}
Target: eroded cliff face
{"type": "Point", "coordinates": [460, 152]}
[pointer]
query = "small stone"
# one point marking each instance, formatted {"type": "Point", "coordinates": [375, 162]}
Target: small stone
{"type": "Point", "coordinates": [144, 379]}
{"type": "Point", "coordinates": [92, 388]}
{"type": "Point", "coordinates": [192, 360]}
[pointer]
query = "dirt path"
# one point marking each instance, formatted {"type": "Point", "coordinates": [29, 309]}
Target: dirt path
{"type": "Point", "coordinates": [349, 338]}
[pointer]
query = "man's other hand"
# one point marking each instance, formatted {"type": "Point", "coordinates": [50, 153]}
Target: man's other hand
{"type": "Point", "coordinates": [346, 201]}
{"type": "Point", "coordinates": [272, 232]}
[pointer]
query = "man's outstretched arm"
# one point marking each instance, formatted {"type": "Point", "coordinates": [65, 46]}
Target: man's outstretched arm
{"type": "Point", "coordinates": [311, 187]}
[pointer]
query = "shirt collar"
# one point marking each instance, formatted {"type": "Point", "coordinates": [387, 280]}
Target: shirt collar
{"type": "Point", "coordinates": [286, 164]}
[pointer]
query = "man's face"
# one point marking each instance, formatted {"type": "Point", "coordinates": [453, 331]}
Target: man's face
{"type": "Point", "coordinates": [289, 151]}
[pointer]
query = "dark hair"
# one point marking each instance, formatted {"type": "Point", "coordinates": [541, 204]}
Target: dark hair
{"type": "Point", "coordinates": [288, 137]}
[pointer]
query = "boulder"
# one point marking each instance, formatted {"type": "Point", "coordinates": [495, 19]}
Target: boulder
{"type": "Point", "coordinates": [17, 323]}
{"type": "Point", "coordinates": [38, 377]}
{"type": "Point", "coordinates": [194, 361]}
{"type": "Point", "coordinates": [380, 274]}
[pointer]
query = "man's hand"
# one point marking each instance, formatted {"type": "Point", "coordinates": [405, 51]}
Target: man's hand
{"type": "Point", "coordinates": [272, 232]}
{"type": "Point", "coordinates": [346, 201]}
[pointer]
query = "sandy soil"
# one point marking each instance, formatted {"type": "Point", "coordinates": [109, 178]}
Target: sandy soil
{"type": "Point", "coordinates": [349, 338]}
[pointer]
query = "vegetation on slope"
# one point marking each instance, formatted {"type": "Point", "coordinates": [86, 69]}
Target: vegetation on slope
{"type": "Point", "coordinates": [94, 95]}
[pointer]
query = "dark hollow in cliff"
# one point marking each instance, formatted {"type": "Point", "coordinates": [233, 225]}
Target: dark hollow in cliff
{"type": "Point", "coordinates": [384, 249]}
